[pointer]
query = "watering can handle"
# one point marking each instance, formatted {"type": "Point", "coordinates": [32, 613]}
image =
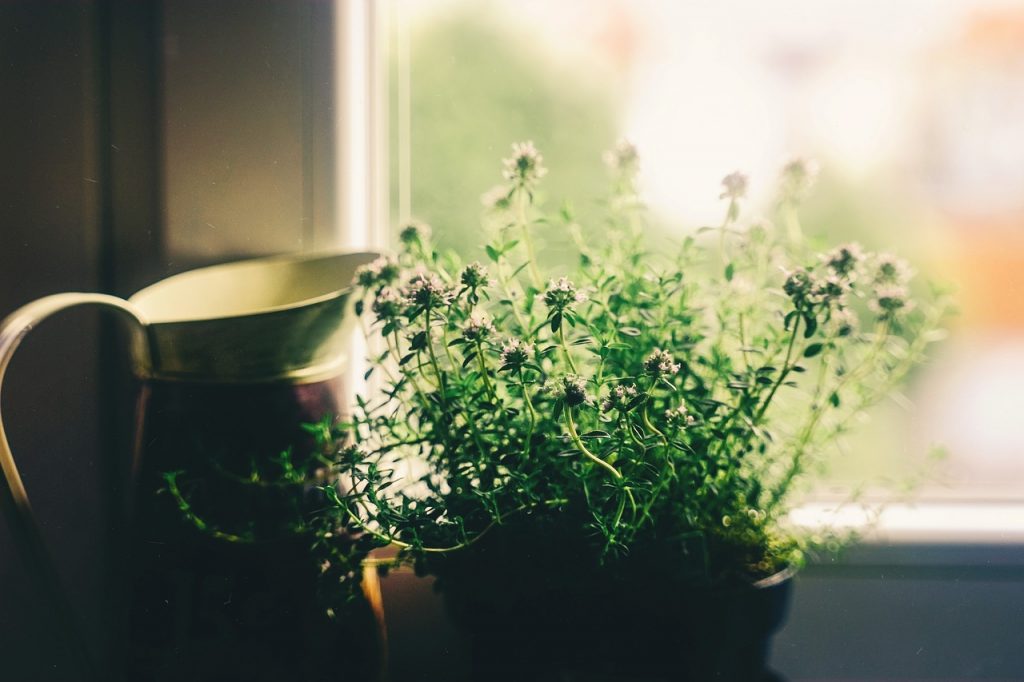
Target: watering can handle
{"type": "Point", "coordinates": [13, 498]}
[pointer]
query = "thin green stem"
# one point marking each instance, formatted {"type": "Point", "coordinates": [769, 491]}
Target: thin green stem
{"type": "Point", "coordinates": [506, 289]}
{"type": "Point", "coordinates": [186, 510]}
{"type": "Point", "coordinates": [488, 386]}
{"type": "Point", "coordinates": [565, 348]}
{"type": "Point", "coordinates": [456, 367]}
{"type": "Point", "coordinates": [578, 442]}
{"type": "Point", "coordinates": [433, 359]}
{"type": "Point", "coordinates": [817, 411]}
{"type": "Point", "coordinates": [665, 480]}
{"type": "Point", "coordinates": [533, 414]}
{"type": "Point", "coordinates": [390, 540]}
{"type": "Point", "coordinates": [524, 224]}
{"type": "Point", "coordinates": [783, 373]}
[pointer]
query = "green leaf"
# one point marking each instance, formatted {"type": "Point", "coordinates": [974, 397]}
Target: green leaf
{"type": "Point", "coordinates": [556, 322]}
{"type": "Point", "coordinates": [834, 399]}
{"type": "Point", "coordinates": [813, 349]}
{"type": "Point", "coordinates": [418, 341]}
{"type": "Point", "coordinates": [730, 270]}
{"type": "Point", "coordinates": [811, 323]}
{"type": "Point", "coordinates": [492, 253]}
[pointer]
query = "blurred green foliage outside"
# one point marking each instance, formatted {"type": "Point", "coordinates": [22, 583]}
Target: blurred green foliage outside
{"type": "Point", "coordinates": [475, 89]}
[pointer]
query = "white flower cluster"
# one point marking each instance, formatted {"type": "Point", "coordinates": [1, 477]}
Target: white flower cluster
{"type": "Point", "coordinates": [679, 417]}
{"type": "Point", "coordinates": [620, 398]}
{"type": "Point", "coordinates": [526, 165]}
{"type": "Point", "coordinates": [623, 157]}
{"type": "Point", "coordinates": [478, 327]}
{"type": "Point", "coordinates": [515, 353]}
{"type": "Point", "coordinates": [562, 293]}
{"type": "Point", "coordinates": [661, 363]}
{"type": "Point", "coordinates": [844, 260]}
{"type": "Point", "coordinates": [890, 296]}
{"type": "Point", "coordinates": [474, 276]}
{"type": "Point", "coordinates": [389, 304]}
{"type": "Point", "coordinates": [573, 390]}
{"type": "Point", "coordinates": [415, 232]}
{"type": "Point", "coordinates": [798, 178]}
{"type": "Point", "coordinates": [379, 272]}
{"type": "Point", "coordinates": [734, 186]}
{"type": "Point", "coordinates": [427, 290]}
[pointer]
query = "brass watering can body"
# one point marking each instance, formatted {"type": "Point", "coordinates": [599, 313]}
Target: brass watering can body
{"type": "Point", "coordinates": [229, 357]}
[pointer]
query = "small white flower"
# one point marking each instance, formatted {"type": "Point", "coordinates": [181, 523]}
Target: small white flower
{"type": "Point", "coordinates": [415, 232]}
{"type": "Point", "coordinates": [661, 363]}
{"type": "Point", "coordinates": [573, 390]}
{"type": "Point", "coordinates": [798, 178]}
{"type": "Point", "coordinates": [622, 157]}
{"type": "Point", "coordinates": [478, 327]}
{"type": "Point", "coordinates": [526, 165]}
{"type": "Point", "coordinates": [562, 293]}
{"type": "Point", "coordinates": [388, 304]}
{"type": "Point", "coordinates": [474, 276]}
{"type": "Point", "coordinates": [515, 353]}
{"type": "Point", "coordinates": [426, 289]}
{"type": "Point", "coordinates": [734, 186]}
{"type": "Point", "coordinates": [679, 416]}
{"type": "Point", "coordinates": [620, 398]}
{"type": "Point", "coordinates": [843, 260]}
{"type": "Point", "coordinates": [495, 198]}
{"type": "Point", "coordinates": [832, 290]}
{"type": "Point", "coordinates": [845, 320]}
{"type": "Point", "coordinates": [888, 300]}
{"type": "Point", "coordinates": [891, 270]}
{"type": "Point", "coordinates": [383, 270]}
{"type": "Point", "coordinates": [799, 285]}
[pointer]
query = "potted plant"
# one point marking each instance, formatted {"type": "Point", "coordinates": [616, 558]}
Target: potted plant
{"type": "Point", "coordinates": [597, 467]}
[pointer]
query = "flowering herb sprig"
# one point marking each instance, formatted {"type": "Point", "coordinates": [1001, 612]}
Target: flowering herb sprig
{"type": "Point", "coordinates": [645, 410]}
{"type": "Point", "coordinates": [641, 402]}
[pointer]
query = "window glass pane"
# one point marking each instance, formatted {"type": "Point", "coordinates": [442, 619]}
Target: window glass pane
{"type": "Point", "coordinates": [915, 111]}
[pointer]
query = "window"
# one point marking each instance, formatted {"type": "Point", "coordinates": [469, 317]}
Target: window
{"type": "Point", "coordinates": [914, 112]}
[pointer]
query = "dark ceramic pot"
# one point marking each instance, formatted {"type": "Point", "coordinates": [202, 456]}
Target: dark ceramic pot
{"type": "Point", "coordinates": [635, 631]}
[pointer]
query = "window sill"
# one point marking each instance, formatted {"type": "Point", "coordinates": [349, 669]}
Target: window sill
{"type": "Point", "coordinates": [983, 535]}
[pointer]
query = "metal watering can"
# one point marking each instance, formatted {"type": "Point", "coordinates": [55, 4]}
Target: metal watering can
{"type": "Point", "coordinates": [231, 360]}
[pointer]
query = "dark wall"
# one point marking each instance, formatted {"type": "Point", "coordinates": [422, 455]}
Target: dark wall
{"type": "Point", "coordinates": [50, 187]}
{"type": "Point", "coordinates": [137, 139]}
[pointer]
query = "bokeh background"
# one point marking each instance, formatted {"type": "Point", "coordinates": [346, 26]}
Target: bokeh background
{"type": "Point", "coordinates": [914, 111]}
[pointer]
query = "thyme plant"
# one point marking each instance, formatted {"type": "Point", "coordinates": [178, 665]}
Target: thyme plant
{"type": "Point", "coordinates": [643, 403]}
{"type": "Point", "coordinates": [648, 409]}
